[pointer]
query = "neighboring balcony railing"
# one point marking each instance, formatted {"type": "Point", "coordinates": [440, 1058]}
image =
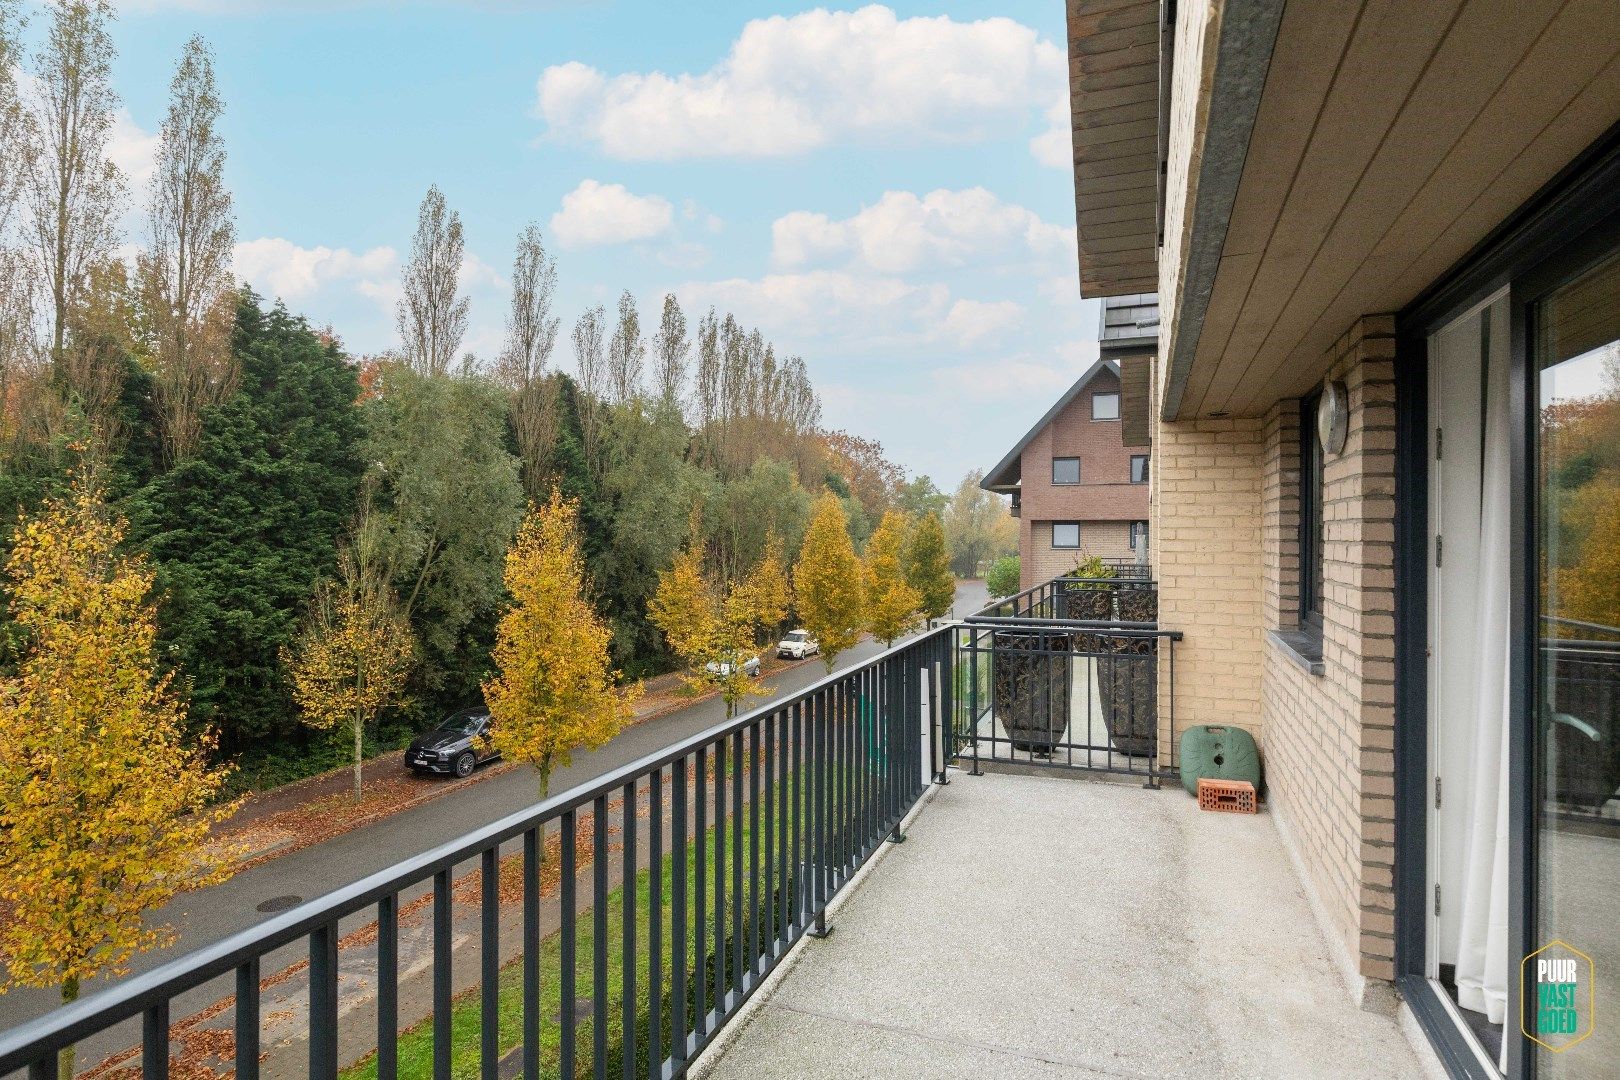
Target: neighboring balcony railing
{"type": "Point", "coordinates": [1121, 598]}
{"type": "Point", "coordinates": [1075, 673]}
{"type": "Point", "coordinates": [727, 848]}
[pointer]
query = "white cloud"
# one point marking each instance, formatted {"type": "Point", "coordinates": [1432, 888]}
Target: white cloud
{"type": "Point", "coordinates": [902, 233]}
{"type": "Point", "coordinates": [826, 304]}
{"type": "Point", "coordinates": [134, 150]}
{"type": "Point", "coordinates": [1054, 147]}
{"type": "Point", "coordinates": [794, 83]}
{"type": "Point", "coordinates": [972, 321]}
{"type": "Point", "coordinates": [281, 269]}
{"type": "Point", "coordinates": [596, 213]}
{"type": "Point", "coordinates": [1019, 378]}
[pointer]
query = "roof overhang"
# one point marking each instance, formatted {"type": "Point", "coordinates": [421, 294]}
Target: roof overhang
{"type": "Point", "coordinates": [1349, 162]}
{"type": "Point", "coordinates": [1114, 93]}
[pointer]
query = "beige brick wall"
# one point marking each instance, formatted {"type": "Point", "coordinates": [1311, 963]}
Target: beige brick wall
{"type": "Point", "coordinates": [1039, 561]}
{"type": "Point", "coordinates": [1329, 739]}
{"type": "Point", "coordinates": [1207, 558]}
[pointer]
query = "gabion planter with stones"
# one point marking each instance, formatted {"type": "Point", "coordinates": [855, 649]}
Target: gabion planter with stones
{"type": "Point", "coordinates": [1030, 679]}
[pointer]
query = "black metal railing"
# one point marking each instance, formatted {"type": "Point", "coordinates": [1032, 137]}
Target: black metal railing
{"type": "Point", "coordinates": [706, 861]}
{"type": "Point", "coordinates": [1580, 671]}
{"type": "Point", "coordinates": [1069, 694]}
{"type": "Point", "coordinates": [1067, 675]}
{"type": "Point", "coordinates": [1133, 599]}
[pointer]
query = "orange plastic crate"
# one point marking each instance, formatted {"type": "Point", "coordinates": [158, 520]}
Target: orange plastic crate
{"type": "Point", "coordinates": [1227, 796]}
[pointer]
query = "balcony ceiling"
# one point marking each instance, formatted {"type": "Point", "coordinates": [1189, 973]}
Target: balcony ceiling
{"type": "Point", "coordinates": [1114, 107]}
{"type": "Point", "coordinates": [1390, 138]}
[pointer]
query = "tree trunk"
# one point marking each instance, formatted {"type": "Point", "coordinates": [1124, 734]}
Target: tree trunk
{"type": "Point", "coordinates": [64, 1059]}
{"type": "Point", "coordinates": [359, 732]}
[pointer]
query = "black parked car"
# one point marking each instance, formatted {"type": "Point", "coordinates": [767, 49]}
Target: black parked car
{"type": "Point", "coordinates": [456, 747]}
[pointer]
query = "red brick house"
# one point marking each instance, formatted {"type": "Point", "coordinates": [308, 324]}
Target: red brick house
{"type": "Point", "coordinates": [1077, 489]}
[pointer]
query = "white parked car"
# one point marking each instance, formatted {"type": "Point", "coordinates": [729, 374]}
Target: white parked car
{"type": "Point", "coordinates": [797, 645]}
{"type": "Point", "coordinates": [722, 668]}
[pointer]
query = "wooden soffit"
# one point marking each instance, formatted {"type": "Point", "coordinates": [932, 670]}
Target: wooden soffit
{"type": "Point", "coordinates": [1114, 110]}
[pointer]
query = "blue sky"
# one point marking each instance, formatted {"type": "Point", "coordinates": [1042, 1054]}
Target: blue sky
{"type": "Point", "coordinates": [870, 186]}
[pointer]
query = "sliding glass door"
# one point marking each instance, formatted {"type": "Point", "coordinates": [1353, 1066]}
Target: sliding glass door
{"type": "Point", "coordinates": [1571, 997]}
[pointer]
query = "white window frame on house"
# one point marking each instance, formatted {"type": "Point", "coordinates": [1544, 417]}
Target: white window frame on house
{"type": "Point", "coordinates": [1056, 482]}
{"type": "Point", "coordinates": [1113, 398]}
{"type": "Point", "coordinates": [1065, 524]}
{"type": "Point", "coordinates": [1139, 476]}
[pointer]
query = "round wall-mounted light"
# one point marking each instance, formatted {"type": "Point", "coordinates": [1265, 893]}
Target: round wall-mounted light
{"type": "Point", "coordinates": [1333, 417]}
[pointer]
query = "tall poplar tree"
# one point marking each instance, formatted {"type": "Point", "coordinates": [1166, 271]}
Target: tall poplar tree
{"type": "Point", "coordinates": [431, 316]}
{"type": "Point", "coordinates": [184, 275]}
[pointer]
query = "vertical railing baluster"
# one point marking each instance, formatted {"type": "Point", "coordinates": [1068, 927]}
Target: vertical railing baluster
{"type": "Point", "coordinates": [739, 822]}
{"type": "Point", "coordinates": [323, 1002]}
{"type": "Point", "coordinates": [599, 936]}
{"type": "Point", "coordinates": [655, 925]}
{"type": "Point", "coordinates": [568, 955]}
{"type": "Point", "coordinates": [700, 894]}
{"type": "Point", "coordinates": [722, 944]}
{"type": "Point", "coordinates": [627, 952]}
{"type": "Point", "coordinates": [533, 839]}
{"type": "Point", "coordinates": [818, 810]}
{"type": "Point", "coordinates": [678, 847]}
{"type": "Point", "coordinates": [155, 1041]}
{"type": "Point", "coordinates": [801, 788]}
{"type": "Point", "coordinates": [247, 1020]}
{"type": "Point", "coordinates": [489, 973]}
{"type": "Point", "coordinates": [772, 887]}
{"type": "Point", "coordinates": [780, 927]}
{"type": "Point", "coordinates": [387, 988]}
{"type": "Point", "coordinates": [754, 892]}
{"type": "Point", "coordinates": [442, 957]}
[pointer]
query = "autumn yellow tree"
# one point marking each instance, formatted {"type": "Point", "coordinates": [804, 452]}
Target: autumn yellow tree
{"type": "Point", "coordinates": [766, 590]}
{"type": "Point", "coordinates": [105, 805]}
{"type": "Point", "coordinates": [352, 657]}
{"type": "Point", "coordinates": [555, 690]}
{"type": "Point", "coordinates": [928, 567]}
{"type": "Point", "coordinates": [893, 607]}
{"type": "Point", "coordinates": [716, 635]}
{"type": "Point", "coordinates": [829, 582]}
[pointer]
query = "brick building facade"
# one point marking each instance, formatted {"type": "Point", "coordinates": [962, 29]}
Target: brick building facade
{"type": "Point", "coordinates": [1077, 489]}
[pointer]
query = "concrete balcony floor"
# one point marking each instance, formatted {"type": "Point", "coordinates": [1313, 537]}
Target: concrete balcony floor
{"type": "Point", "coordinates": [1053, 927]}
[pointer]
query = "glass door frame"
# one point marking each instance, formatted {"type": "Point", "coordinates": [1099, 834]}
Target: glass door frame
{"type": "Point", "coordinates": [1565, 229]}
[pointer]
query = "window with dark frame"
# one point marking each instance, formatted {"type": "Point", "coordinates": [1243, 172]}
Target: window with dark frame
{"type": "Point", "coordinates": [1139, 535]}
{"type": "Point", "coordinates": [1065, 534]}
{"type": "Point", "coordinates": [1312, 470]}
{"type": "Point", "coordinates": [1105, 406]}
{"type": "Point", "coordinates": [1139, 468]}
{"type": "Point", "coordinates": [1065, 470]}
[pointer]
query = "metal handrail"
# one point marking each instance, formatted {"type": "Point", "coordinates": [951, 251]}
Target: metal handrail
{"type": "Point", "coordinates": [35, 1043]}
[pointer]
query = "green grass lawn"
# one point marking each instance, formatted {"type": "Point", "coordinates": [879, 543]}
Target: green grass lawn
{"type": "Point", "coordinates": [416, 1044]}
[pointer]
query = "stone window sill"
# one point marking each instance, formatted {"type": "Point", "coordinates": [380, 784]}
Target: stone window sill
{"type": "Point", "coordinates": [1303, 648]}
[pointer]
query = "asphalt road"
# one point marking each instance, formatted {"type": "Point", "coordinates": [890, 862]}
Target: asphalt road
{"type": "Point", "coordinates": [210, 915]}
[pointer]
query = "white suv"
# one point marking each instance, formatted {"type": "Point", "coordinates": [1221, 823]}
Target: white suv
{"type": "Point", "coordinates": [797, 645]}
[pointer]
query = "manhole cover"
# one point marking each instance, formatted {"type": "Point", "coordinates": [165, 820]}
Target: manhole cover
{"type": "Point", "coordinates": [582, 1010]}
{"type": "Point", "coordinates": [280, 903]}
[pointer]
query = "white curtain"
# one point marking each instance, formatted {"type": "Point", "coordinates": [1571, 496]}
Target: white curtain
{"type": "Point", "coordinates": [1483, 950]}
